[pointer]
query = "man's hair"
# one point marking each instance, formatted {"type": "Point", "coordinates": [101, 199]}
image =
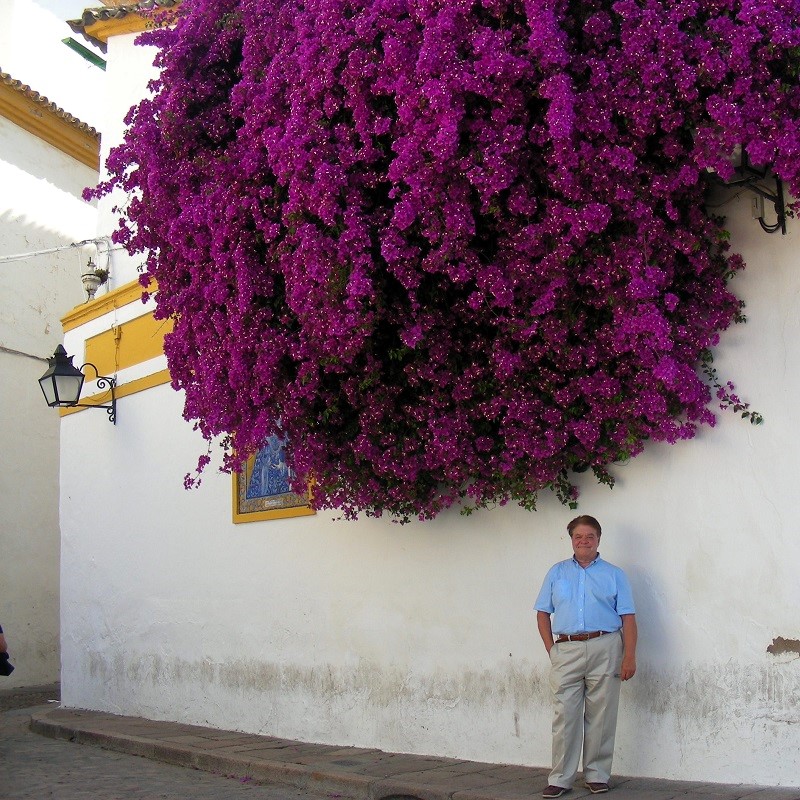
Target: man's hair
{"type": "Point", "coordinates": [585, 519]}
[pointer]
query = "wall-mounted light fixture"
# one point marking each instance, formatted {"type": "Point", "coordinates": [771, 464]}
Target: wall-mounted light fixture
{"type": "Point", "coordinates": [93, 279]}
{"type": "Point", "coordinates": [753, 179]}
{"type": "Point", "coordinates": [62, 384]}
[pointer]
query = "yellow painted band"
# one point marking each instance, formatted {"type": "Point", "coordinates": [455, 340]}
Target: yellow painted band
{"type": "Point", "coordinates": [47, 125]}
{"type": "Point", "coordinates": [103, 29]}
{"type": "Point", "coordinates": [125, 390]}
{"type": "Point", "coordinates": [122, 296]}
{"type": "Point", "coordinates": [278, 513]}
{"type": "Point", "coordinates": [127, 344]}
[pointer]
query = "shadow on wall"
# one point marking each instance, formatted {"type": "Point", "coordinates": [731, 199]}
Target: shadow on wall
{"type": "Point", "coordinates": [37, 290]}
{"type": "Point", "coordinates": [42, 162]}
{"type": "Point", "coordinates": [34, 292]}
{"type": "Point", "coordinates": [657, 638]}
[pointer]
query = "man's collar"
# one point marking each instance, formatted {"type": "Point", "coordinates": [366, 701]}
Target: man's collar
{"type": "Point", "coordinates": [593, 561]}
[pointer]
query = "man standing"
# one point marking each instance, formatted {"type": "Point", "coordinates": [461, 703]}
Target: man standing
{"type": "Point", "coordinates": [594, 627]}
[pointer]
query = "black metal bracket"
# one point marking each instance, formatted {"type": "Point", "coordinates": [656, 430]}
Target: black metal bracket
{"type": "Point", "coordinates": [102, 382]}
{"type": "Point", "coordinates": [751, 178]}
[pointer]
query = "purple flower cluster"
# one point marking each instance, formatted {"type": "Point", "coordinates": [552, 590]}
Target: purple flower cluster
{"type": "Point", "coordinates": [457, 249]}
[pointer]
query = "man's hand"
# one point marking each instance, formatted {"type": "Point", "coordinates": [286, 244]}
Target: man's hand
{"type": "Point", "coordinates": [628, 669]}
{"type": "Point", "coordinates": [629, 636]}
{"type": "Point", "coordinates": [545, 631]}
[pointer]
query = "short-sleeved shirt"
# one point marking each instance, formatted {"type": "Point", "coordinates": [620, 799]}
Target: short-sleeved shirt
{"type": "Point", "coordinates": [584, 600]}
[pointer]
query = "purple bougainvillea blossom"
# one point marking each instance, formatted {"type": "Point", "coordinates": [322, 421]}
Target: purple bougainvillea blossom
{"type": "Point", "coordinates": [457, 249]}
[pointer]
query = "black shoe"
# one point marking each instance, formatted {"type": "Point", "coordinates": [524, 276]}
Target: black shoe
{"type": "Point", "coordinates": [554, 791]}
{"type": "Point", "coordinates": [597, 788]}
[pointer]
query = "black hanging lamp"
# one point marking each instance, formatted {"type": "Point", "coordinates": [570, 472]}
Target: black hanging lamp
{"type": "Point", "coordinates": [62, 383]}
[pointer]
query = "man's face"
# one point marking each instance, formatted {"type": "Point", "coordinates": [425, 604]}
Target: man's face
{"type": "Point", "coordinates": [585, 542]}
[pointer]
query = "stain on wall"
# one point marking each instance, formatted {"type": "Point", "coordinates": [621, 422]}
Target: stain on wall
{"type": "Point", "coordinates": [368, 684]}
{"type": "Point", "coordinates": [755, 703]}
{"type": "Point", "coordinates": [698, 699]}
{"type": "Point", "coordinates": [780, 646]}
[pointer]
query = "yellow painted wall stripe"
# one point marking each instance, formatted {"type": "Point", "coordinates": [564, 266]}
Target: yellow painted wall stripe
{"type": "Point", "coordinates": [47, 125]}
{"type": "Point", "coordinates": [125, 345]}
{"type": "Point", "coordinates": [131, 22]}
{"type": "Point", "coordinates": [117, 298]}
{"type": "Point", "coordinates": [125, 390]}
{"type": "Point", "coordinates": [278, 513]}
{"type": "Point", "coordinates": [103, 29]}
{"type": "Point", "coordinates": [129, 343]}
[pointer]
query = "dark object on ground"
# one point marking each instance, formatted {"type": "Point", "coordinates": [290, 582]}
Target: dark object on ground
{"type": "Point", "coordinates": [6, 667]}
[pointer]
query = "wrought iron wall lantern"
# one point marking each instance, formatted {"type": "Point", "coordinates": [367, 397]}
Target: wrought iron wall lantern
{"type": "Point", "coordinates": [62, 384]}
{"type": "Point", "coordinates": [753, 179]}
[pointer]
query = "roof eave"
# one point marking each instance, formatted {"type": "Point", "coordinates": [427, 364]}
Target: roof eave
{"type": "Point", "coordinates": [98, 25]}
{"type": "Point", "coordinates": [36, 114]}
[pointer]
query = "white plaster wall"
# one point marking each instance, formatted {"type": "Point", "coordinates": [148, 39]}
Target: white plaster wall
{"type": "Point", "coordinates": [422, 638]}
{"type": "Point", "coordinates": [129, 69]}
{"type": "Point", "coordinates": [40, 208]}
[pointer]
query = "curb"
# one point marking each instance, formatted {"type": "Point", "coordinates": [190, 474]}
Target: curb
{"type": "Point", "coordinates": [341, 773]}
{"type": "Point", "coordinates": [297, 776]}
{"type": "Point", "coordinates": [348, 773]}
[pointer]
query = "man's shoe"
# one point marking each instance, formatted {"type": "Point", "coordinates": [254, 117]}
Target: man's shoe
{"type": "Point", "coordinates": [597, 788]}
{"type": "Point", "coordinates": [554, 791]}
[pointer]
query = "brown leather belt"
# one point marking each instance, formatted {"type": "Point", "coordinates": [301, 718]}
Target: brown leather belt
{"type": "Point", "coordinates": [579, 637]}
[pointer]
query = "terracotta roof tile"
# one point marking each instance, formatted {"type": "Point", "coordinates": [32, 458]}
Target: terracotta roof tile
{"type": "Point", "coordinates": [45, 104]}
{"type": "Point", "coordinates": [92, 15]}
{"type": "Point", "coordinates": [117, 11]}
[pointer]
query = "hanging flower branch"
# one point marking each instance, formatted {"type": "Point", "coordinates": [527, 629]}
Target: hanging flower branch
{"type": "Point", "coordinates": [457, 247]}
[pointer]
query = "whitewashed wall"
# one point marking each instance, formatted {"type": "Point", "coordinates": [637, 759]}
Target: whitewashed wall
{"type": "Point", "coordinates": [40, 208]}
{"type": "Point", "coordinates": [32, 51]}
{"type": "Point", "coordinates": [422, 638]}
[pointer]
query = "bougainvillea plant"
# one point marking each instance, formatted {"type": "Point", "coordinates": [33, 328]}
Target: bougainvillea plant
{"type": "Point", "coordinates": [456, 249]}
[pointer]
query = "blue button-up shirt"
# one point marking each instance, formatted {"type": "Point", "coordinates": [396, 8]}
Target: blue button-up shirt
{"type": "Point", "coordinates": [583, 600]}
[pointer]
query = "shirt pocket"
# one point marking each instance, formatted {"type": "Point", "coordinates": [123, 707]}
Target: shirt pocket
{"type": "Point", "coordinates": [604, 590]}
{"type": "Point", "coordinates": [562, 592]}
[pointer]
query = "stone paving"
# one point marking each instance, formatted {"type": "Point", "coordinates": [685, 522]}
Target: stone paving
{"type": "Point", "coordinates": [338, 773]}
{"type": "Point", "coordinates": [34, 767]}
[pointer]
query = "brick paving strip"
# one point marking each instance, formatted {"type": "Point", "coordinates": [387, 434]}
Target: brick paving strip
{"type": "Point", "coordinates": [349, 772]}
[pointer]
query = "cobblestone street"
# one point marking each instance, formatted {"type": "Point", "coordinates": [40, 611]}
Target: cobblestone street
{"type": "Point", "coordinates": [77, 753]}
{"type": "Point", "coordinates": [34, 767]}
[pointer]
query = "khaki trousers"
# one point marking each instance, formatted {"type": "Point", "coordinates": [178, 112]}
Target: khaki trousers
{"type": "Point", "coordinates": [584, 679]}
